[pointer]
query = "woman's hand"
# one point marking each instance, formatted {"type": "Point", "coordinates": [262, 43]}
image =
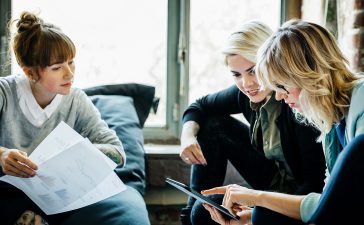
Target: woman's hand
{"type": "Point", "coordinates": [191, 152]}
{"type": "Point", "coordinates": [245, 214]}
{"type": "Point", "coordinates": [16, 163]}
{"type": "Point", "coordinates": [235, 195]}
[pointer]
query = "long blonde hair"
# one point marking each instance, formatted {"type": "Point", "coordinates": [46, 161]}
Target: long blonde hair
{"type": "Point", "coordinates": [246, 40]}
{"type": "Point", "coordinates": [305, 55]}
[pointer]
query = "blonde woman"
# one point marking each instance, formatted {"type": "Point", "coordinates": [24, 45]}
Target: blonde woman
{"type": "Point", "coordinates": [303, 64]}
{"type": "Point", "coordinates": [275, 153]}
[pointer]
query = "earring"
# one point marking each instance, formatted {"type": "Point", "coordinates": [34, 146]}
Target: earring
{"type": "Point", "coordinates": [33, 81]}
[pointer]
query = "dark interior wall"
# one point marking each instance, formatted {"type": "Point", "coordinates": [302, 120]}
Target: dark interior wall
{"type": "Point", "coordinates": [351, 31]}
{"type": "Point", "coordinates": [5, 14]}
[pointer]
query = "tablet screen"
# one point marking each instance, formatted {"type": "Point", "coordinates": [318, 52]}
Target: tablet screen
{"type": "Point", "coordinates": [202, 198]}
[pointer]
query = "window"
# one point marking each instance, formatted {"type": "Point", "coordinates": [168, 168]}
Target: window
{"type": "Point", "coordinates": [210, 27]}
{"type": "Point", "coordinates": [116, 42]}
{"type": "Point", "coordinates": [172, 45]}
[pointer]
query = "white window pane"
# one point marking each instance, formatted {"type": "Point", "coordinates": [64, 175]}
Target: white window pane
{"type": "Point", "coordinates": [117, 41]}
{"type": "Point", "coordinates": [211, 23]}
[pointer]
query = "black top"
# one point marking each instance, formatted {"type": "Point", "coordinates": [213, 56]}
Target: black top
{"type": "Point", "coordinates": [303, 154]}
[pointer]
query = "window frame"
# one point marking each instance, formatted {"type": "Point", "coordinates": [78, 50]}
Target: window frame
{"type": "Point", "coordinates": [177, 85]}
{"type": "Point", "coordinates": [177, 74]}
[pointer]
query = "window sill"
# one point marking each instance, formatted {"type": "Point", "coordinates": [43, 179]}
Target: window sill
{"type": "Point", "coordinates": [163, 161]}
{"type": "Point", "coordinates": [157, 149]}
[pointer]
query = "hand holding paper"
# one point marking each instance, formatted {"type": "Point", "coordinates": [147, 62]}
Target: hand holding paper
{"type": "Point", "coordinates": [65, 180]}
{"type": "Point", "coordinates": [16, 163]}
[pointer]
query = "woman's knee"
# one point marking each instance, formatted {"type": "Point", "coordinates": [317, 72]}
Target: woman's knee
{"type": "Point", "coordinates": [355, 146]}
{"type": "Point", "coordinates": [215, 125]}
{"type": "Point", "coordinates": [211, 123]}
{"type": "Point", "coordinates": [199, 215]}
{"type": "Point", "coordinates": [263, 216]}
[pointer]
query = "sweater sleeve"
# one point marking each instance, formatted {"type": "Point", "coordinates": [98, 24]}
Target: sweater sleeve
{"type": "Point", "coordinates": [89, 124]}
{"type": "Point", "coordinates": [308, 206]}
{"type": "Point", "coordinates": [2, 94]}
{"type": "Point", "coordinates": [225, 102]}
{"type": "Point", "coordinates": [310, 203]}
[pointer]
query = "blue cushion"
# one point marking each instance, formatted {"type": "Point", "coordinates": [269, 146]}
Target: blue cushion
{"type": "Point", "coordinates": [143, 96]}
{"type": "Point", "coordinates": [119, 113]}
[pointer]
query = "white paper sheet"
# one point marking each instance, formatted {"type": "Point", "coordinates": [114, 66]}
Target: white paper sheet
{"type": "Point", "coordinates": [72, 173]}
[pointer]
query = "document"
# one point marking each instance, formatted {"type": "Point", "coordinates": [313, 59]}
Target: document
{"type": "Point", "coordinates": [72, 173]}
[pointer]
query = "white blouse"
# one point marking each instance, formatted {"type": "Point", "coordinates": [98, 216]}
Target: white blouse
{"type": "Point", "coordinates": [30, 107]}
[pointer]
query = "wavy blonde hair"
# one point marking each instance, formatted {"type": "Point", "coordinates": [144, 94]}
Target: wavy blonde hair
{"type": "Point", "coordinates": [246, 40]}
{"type": "Point", "coordinates": [305, 55]}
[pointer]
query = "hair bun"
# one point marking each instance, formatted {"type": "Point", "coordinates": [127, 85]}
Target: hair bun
{"type": "Point", "coordinates": [28, 21]}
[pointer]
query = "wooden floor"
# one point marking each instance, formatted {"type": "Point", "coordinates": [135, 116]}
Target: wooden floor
{"type": "Point", "coordinates": [164, 205]}
{"type": "Point", "coordinates": [164, 215]}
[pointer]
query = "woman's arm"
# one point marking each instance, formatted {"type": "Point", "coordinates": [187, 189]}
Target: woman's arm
{"type": "Point", "coordinates": [225, 102]}
{"type": "Point", "coordinates": [285, 204]}
{"type": "Point", "coordinates": [191, 152]}
{"type": "Point", "coordinates": [89, 124]}
{"type": "Point", "coordinates": [114, 152]}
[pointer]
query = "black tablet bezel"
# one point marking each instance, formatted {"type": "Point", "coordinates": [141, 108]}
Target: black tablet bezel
{"type": "Point", "coordinates": [186, 189]}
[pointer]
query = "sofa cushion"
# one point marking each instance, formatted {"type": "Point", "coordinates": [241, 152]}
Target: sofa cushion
{"type": "Point", "coordinates": [121, 116]}
{"type": "Point", "coordinates": [143, 96]}
{"type": "Point", "coordinates": [125, 108]}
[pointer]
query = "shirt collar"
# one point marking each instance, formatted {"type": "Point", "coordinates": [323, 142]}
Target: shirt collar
{"type": "Point", "coordinates": [29, 105]}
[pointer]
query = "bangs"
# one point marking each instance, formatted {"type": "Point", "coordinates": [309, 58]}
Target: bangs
{"type": "Point", "coordinates": [55, 47]}
{"type": "Point", "coordinates": [281, 77]}
{"type": "Point", "coordinates": [280, 62]}
{"type": "Point", "coordinates": [270, 70]}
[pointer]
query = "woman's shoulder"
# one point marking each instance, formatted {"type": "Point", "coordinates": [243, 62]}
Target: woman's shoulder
{"type": "Point", "coordinates": [77, 92]}
{"type": "Point", "coordinates": [357, 96]}
{"type": "Point", "coordinates": [356, 111]}
{"type": "Point", "coordinates": [8, 83]}
{"type": "Point", "coordinates": [78, 97]}
{"type": "Point", "coordinates": [9, 80]}
{"type": "Point", "coordinates": [358, 90]}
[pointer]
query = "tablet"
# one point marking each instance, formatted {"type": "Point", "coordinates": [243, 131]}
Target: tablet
{"type": "Point", "coordinates": [186, 189]}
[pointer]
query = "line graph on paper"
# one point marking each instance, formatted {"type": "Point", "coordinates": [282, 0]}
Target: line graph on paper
{"type": "Point", "coordinates": [84, 174]}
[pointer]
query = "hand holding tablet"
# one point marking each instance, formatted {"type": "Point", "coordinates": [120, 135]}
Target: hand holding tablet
{"type": "Point", "coordinates": [186, 189]}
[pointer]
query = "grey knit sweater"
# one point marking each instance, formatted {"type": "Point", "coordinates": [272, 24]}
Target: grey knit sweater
{"type": "Point", "coordinates": [76, 109]}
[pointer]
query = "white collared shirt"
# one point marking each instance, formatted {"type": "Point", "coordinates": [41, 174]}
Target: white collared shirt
{"type": "Point", "coordinates": [30, 107]}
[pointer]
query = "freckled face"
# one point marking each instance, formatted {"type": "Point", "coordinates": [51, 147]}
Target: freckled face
{"type": "Point", "coordinates": [57, 78]}
{"type": "Point", "coordinates": [245, 79]}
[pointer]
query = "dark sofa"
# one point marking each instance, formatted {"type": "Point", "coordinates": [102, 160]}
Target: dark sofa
{"type": "Point", "coordinates": [125, 108]}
